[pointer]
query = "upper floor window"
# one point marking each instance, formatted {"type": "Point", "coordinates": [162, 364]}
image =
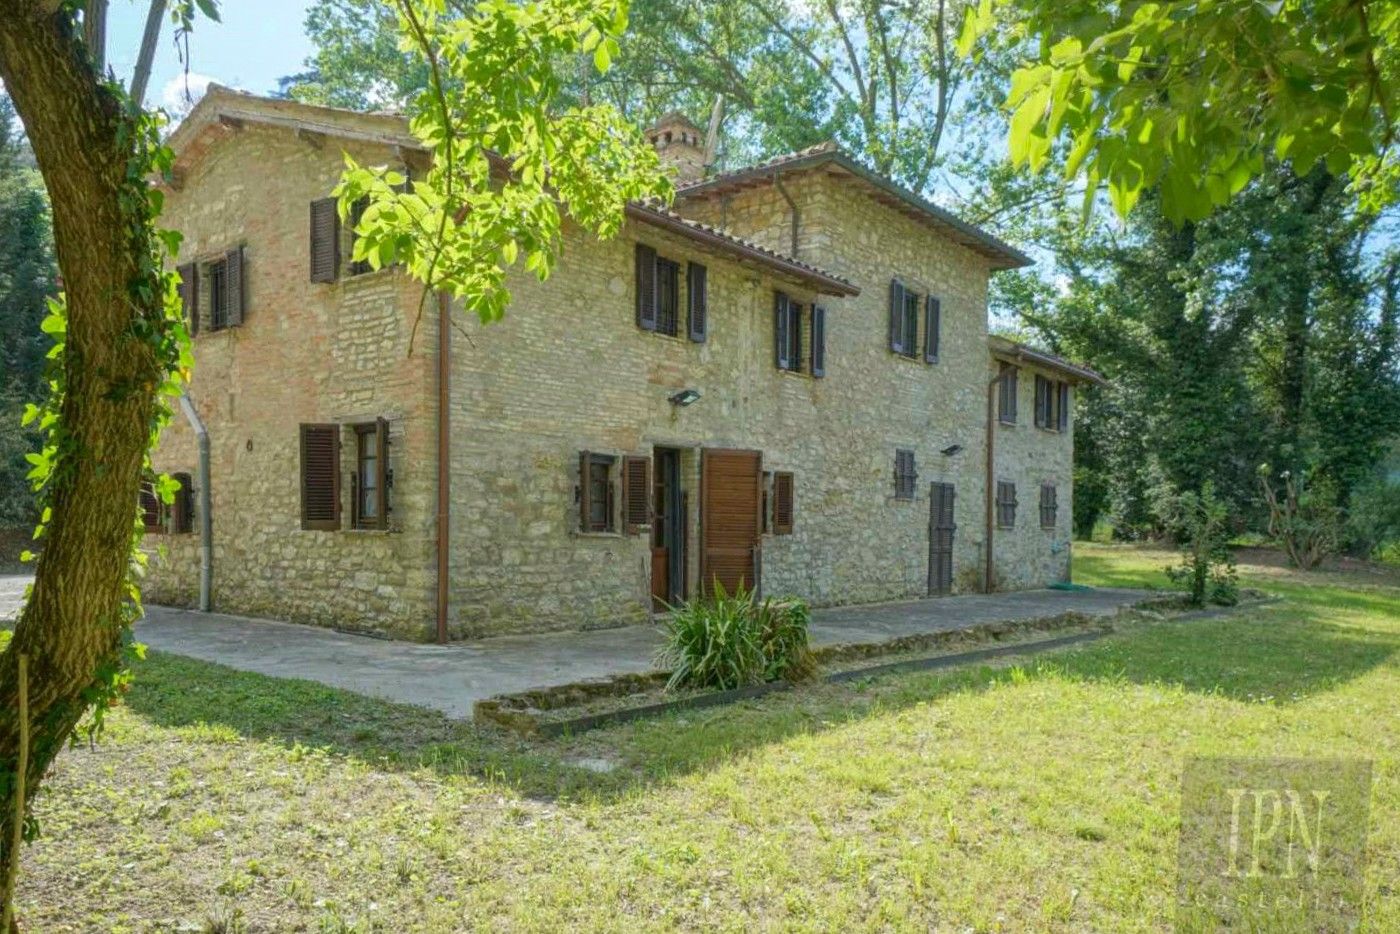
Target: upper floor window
{"type": "Point", "coordinates": [657, 283]}
{"type": "Point", "coordinates": [372, 478]}
{"type": "Point", "coordinates": [905, 475]}
{"type": "Point", "coordinates": [795, 345]}
{"type": "Point", "coordinates": [1051, 404]}
{"type": "Point", "coordinates": [904, 313]}
{"type": "Point", "coordinates": [212, 293]}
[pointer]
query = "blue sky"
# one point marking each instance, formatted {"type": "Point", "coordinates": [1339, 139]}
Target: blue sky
{"type": "Point", "coordinates": [258, 42]}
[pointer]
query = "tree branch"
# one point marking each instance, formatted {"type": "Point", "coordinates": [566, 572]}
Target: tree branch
{"type": "Point", "coordinates": [142, 75]}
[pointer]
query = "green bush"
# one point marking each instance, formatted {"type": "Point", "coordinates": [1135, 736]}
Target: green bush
{"type": "Point", "coordinates": [726, 641]}
{"type": "Point", "coordinates": [1207, 569]}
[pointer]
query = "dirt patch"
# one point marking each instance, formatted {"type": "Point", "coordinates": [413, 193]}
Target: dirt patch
{"type": "Point", "coordinates": [1277, 558]}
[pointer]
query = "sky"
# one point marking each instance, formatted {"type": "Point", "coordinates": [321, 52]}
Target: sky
{"type": "Point", "coordinates": [257, 42]}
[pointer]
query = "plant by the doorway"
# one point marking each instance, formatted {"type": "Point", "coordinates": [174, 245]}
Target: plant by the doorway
{"type": "Point", "coordinates": [724, 641]}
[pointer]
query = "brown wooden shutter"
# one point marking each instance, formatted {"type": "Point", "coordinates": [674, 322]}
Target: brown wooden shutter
{"type": "Point", "coordinates": [189, 296]}
{"type": "Point", "coordinates": [182, 510]}
{"type": "Point", "coordinates": [782, 503]}
{"type": "Point", "coordinates": [897, 316]}
{"type": "Point", "coordinates": [152, 509]}
{"type": "Point", "coordinates": [818, 341]}
{"type": "Point", "coordinates": [1063, 414]}
{"type": "Point", "coordinates": [1042, 397]}
{"type": "Point", "coordinates": [584, 495]}
{"type": "Point", "coordinates": [1007, 392]}
{"type": "Point", "coordinates": [320, 477]}
{"type": "Point", "coordinates": [782, 320]}
{"type": "Point", "coordinates": [233, 289]}
{"type": "Point", "coordinates": [905, 475]}
{"type": "Point", "coordinates": [636, 494]}
{"type": "Point", "coordinates": [646, 287]}
{"type": "Point", "coordinates": [730, 496]}
{"type": "Point", "coordinates": [325, 240]}
{"type": "Point", "coordinates": [381, 464]}
{"type": "Point", "coordinates": [932, 314]}
{"type": "Point", "coordinates": [696, 290]}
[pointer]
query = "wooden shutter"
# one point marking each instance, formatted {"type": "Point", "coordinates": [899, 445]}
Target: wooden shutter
{"type": "Point", "coordinates": [636, 494]}
{"type": "Point", "coordinates": [730, 496]}
{"type": "Point", "coordinates": [795, 336]}
{"type": "Point", "coordinates": [1006, 504]}
{"type": "Point", "coordinates": [782, 503]}
{"type": "Point", "coordinates": [182, 510]}
{"type": "Point", "coordinates": [1042, 400]}
{"type": "Point", "coordinates": [320, 477]}
{"type": "Point", "coordinates": [646, 287]}
{"type": "Point", "coordinates": [1063, 414]}
{"type": "Point", "coordinates": [781, 322]}
{"type": "Point", "coordinates": [1048, 506]}
{"type": "Point", "coordinates": [818, 341]}
{"type": "Point", "coordinates": [897, 316]}
{"type": "Point", "coordinates": [233, 288]}
{"type": "Point", "coordinates": [584, 493]}
{"type": "Point", "coordinates": [381, 466]}
{"type": "Point", "coordinates": [698, 301]}
{"type": "Point", "coordinates": [1007, 391]}
{"type": "Point", "coordinates": [189, 296]}
{"type": "Point", "coordinates": [904, 474]}
{"type": "Point", "coordinates": [325, 240]}
{"type": "Point", "coordinates": [152, 509]}
{"type": "Point", "coordinates": [932, 314]}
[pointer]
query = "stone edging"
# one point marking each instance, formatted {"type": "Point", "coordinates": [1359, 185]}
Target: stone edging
{"type": "Point", "coordinates": [519, 711]}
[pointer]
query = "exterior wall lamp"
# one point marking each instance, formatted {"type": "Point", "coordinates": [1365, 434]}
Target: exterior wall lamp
{"type": "Point", "coordinates": [684, 397]}
{"type": "Point", "coordinates": [951, 449]}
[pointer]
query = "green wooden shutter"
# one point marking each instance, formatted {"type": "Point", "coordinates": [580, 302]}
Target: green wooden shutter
{"type": "Point", "coordinates": [932, 314]}
{"type": "Point", "coordinates": [696, 289]}
{"type": "Point", "coordinates": [897, 316]}
{"type": "Point", "coordinates": [233, 287]}
{"type": "Point", "coordinates": [781, 321]}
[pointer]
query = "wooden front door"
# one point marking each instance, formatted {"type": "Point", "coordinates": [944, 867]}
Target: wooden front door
{"type": "Point", "coordinates": [731, 484]}
{"type": "Point", "coordinates": [667, 531]}
{"type": "Point", "coordinates": [940, 538]}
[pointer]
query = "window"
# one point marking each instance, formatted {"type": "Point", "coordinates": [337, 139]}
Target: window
{"type": "Point", "coordinates": [182, 509]}
{"type": "Point", "coordinates": [1006, 395]}
{"type": "Point", "coordinates": [904, 322]}
{"type": "Point", "coordinates": [372, 478]}
{"type": "Point", "coordinates": [216, 273]}
{"type": "Point", "coordinates": [1048, 506]}
{"type": "Point", "coordinates": [905, 475]}
{"type": "Point", "coordinates": [787, 333]}
{"type": "Point", "coordinates": [782, 503]}
{"type": "Point", "coordinates": [1006, 504]}
{"type": "Point", "coordinates": [658, 283]}
{"type": "Point", "coordinates": [320, 477]}
{"type": "Point", "coordinates": [668, 276]}
{"type": "Point", "coordinates": [595, 492]}
{"type": "Point", "coordinates": [222, 283]}
{"type": "Point", "coordinates": [1051, 404]}
{"type": "Point", "coordinates": [152, 509]}
{"type": "Point", "coordinates": [189, 295]}
{"type": "Point", "coordinates": [357, 212]}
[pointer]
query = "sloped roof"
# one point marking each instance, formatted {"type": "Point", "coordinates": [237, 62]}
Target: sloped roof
{"type": "Point", "coordinates": [1002, 254]}
{"type": "Point", "coordinates": [225, 107]}
{"type": "Point", "coordinates": [1006, 349]}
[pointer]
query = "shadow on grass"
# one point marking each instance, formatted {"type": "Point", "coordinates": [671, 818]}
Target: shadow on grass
{"type": "Point", "coordinates": [1275, 655]}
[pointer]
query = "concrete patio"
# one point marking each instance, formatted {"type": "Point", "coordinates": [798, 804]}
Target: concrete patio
{"type": "Point", "coordinates": [450, 678]}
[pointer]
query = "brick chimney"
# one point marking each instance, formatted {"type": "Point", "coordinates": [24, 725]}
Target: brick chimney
{"type": "Point", "coordinates": [681, 145]}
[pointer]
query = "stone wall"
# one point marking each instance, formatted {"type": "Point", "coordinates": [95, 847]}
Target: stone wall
{"type": "Point", "coordinates": [306, 352]}
{"type": "Point", "coordinates": [567, 370]}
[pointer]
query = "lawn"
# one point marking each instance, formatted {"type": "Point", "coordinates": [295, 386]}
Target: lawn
{"type": "Point", "coordinates": [1040, 794]}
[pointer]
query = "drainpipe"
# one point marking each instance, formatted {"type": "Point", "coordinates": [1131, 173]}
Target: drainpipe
{"type": "Point", "coordinates": [444, 478]}
{"type": "Point", "coordinates": [796, 215]}
{"type": "Point", "coordinates": [990, 497]}
{"type": "Point", "coordinates": [206, 520]}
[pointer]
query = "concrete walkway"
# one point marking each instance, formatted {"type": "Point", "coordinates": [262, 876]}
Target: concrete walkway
{"type": "Point", "coordinates": [450, 678]}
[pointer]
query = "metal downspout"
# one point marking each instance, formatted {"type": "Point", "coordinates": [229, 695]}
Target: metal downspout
{"type": "Point", "coordinates": [206, 519]}
{"type": "Point", "coordinates": [444, 479]}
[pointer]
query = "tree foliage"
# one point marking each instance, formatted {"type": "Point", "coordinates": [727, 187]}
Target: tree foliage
{"type": "Point", "coordinates": [1193, 99]}
{"type": "Point", "coordinates": [507, 158]}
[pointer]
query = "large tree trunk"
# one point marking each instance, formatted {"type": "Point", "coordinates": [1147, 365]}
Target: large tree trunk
{"type": "Point", "coordinates": [71, 626]}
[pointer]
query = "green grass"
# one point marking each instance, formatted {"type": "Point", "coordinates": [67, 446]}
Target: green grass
{"type": "Point", "coordinates": [1039, 795]}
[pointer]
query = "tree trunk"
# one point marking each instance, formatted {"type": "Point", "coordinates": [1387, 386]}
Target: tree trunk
{"type": "Point", "coordinates": [71, 626]}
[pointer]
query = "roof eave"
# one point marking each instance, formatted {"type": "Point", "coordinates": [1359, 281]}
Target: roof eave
{"type": "Point", "coordinates": [1013, 352]}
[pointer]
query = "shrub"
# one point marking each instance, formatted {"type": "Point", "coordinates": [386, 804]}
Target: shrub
{"type": "Point", "coordinates": [1305, 519]}
{"type": "Point", "coordinates": [1207, 569]}
{"type": "Point", "coordinates": [782, 627]}
{"type": "Point", "coordinates": [726, 641]}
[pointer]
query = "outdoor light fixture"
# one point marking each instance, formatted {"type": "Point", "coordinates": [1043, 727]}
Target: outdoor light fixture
{"type": "Point", "coordinates": [685, 397]}
{"type": "Point", "coordinates": [951, 449]}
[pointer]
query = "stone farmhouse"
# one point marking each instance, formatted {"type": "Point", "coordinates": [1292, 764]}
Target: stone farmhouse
{"type": "Point", "coordinates": [784, 381]}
